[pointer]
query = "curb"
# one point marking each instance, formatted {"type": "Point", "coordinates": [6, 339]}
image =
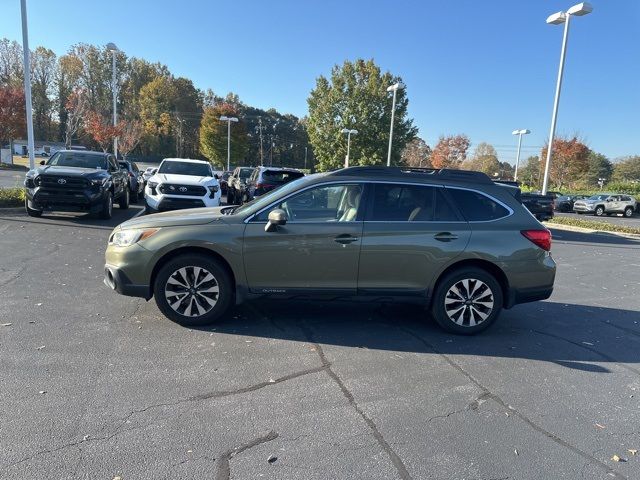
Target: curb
{"type": "Point", "coordinates": [571, 228]}
{"type": "Point", "coordinates": [11, 210]}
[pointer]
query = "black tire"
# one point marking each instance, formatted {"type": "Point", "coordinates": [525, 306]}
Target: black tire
{"type": "Point", "coordinates": [444, 308]}
{"type": "Point", "coordinates": [628, 212]}
{"type": "Point", "coordinates": [123, 202]}
{"type": "Point", "coordinates": [231, 197]}
{"type": "Point", "coordinates": [135, 196]}
{"type": "Point", "coordinates": [599, 211]}
{"type": "Point", "coordinates": [187, 264]}
{"type": "Point", "coordinates": [245, 199]}
{"type": "Point", "coordinates": [30, 211]}
{"type": "Point", "coordinates": [107, 207]}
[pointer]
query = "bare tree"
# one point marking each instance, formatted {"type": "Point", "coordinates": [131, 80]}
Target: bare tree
{"type": "Point", "coordinates": [77, 109]}
{"type": "Point", "coordinates": [130, 135]}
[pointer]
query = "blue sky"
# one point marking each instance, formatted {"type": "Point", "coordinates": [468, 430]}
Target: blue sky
{"type": "Point", "coordinates": [483, 68]}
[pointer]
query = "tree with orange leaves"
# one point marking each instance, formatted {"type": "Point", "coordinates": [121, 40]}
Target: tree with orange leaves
{"type": "Point", "coordinates": [569, 161]}
{"type": "Point", "coordinates": [102, 131]}
{"type": "Point", "coordinates": [450, 151]}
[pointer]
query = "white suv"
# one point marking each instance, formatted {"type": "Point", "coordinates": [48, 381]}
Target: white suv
{"type": "Point", "coordinates": [182, 183]}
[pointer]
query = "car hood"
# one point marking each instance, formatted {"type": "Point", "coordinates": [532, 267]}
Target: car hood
{"type": "Point", "coordinates": [66, 171]}
{"type": "Point", "coordinates": [183, 179]}
{"type": "Point", "coordinates": [587, 202]}
{"type": "Point", "coordinates": [177, 218]}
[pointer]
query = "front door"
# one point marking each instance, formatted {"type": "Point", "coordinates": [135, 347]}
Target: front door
{"type": "Point", "coordinates": [317, 250]}
{"type": "Point", "coordinates": [410, 233]}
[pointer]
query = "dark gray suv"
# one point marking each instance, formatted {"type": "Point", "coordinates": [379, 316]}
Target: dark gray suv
{"type": "Point", "coordinates": [452, 240]}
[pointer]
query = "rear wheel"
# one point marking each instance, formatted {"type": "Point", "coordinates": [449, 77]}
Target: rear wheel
{"type": "Point", "coordinates": [30, 211]}
{"type": "Point", "coordinates": [599, 211]}
{"type": "Point", "coordinates": [467, 301]}
{"type": "Point", "coordinates": [193, 290]}
{"type": "Point", "coordinates": [123, 203]}
{"type": "Point", "coordinates": [107, 206]}
{"type": "Point", "coordinates": [134, 196]}
{"type": "Point", "coordinates": [628, 212]}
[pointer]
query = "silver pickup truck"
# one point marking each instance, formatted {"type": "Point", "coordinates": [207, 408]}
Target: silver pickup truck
{"type": "Point", "coordinates": [606, 203]}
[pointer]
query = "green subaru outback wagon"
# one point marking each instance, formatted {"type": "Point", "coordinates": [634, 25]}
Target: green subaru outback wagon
{"type": "Point", "coordinates": [454, 240]}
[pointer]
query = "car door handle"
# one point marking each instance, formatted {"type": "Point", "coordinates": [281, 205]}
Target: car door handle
{"type": "Point", "coordinates": [445, 236]}
{"type": "Point", "coordinates": [345, 239]}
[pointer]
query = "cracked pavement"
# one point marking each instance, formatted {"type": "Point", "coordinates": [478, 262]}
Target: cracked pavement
{"type": "Point", "coordinates": [325, 389]}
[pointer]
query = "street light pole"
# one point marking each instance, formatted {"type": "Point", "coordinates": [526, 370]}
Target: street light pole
{"type": "Point", "coordinates": [393, 88]}
{"type": "Point", "coordinates": [224, 118]}
{"type": "Point", "coordinates": [27, 84]}
{"type": "Point", "coordinates": [349, 133]}
{"type": "Point", "coordinates": [519, 133]}
{"type": "Point", "coordinates": [113, 49]}
{"type": "Point", "coordinates": [579, 9]}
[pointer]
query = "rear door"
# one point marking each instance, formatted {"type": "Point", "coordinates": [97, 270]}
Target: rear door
{"type": "Point", "coordinates": [410, 233]}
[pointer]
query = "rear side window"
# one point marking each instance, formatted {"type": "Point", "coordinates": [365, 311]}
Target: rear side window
{"type": "Point", "coordinates": [410, 203]}
{"type": "Point", "coordinates": [477, 207]}
{"type": "Point", "coordinates": [280, 176]}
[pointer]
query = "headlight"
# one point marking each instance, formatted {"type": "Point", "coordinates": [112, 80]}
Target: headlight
{"type": "Point", "coordinates": [127, 237]}
{"type": "Point", "coordinates": [152, 184]}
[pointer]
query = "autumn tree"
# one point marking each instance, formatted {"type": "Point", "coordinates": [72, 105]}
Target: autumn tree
{"type": "Point", "coordinates": [627, 169]}
{"type": "Point", "coordinates": [43, 71]}
{"type": "Point", "coordinates": [416, 154]}
{"type": "Point", "coordinates": [213, 136]}
{"type": "Point", "coordinates": [569, 161]}
{"type": "Point", "coordinates": [530, 172]}
{"type": "Point", "coordinates": [355, 96]}
{"type": "Point", "coordinates": [66, 82]}
{"type": "Point", "coordinates": [157, 104]}
{"type": "Point", "coordinates": [12, 113]}
{"type": "Point", "coordinates": [484, 159]}
{"type": "Point", "coordinates": [101, 130]}
{"type": "Point", "coordinates": [10, 63]}
{"type": "Point", "coordinates": [450, 151]}
{"type": "Point", "coordinates": [599, 166]}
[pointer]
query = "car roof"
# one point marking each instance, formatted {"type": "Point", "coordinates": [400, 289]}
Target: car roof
{"type": "Point", "coordinates": [186, 160]}
{"type": "Point", "coordinates": [280, 169]}
{"type": "Point", "coordinates": [418, 175]}
{"type": "Point", "coordinates": [84, 152]}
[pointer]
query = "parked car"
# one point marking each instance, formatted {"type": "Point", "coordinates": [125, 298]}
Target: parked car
{"type": "Point", "coordinates": [182, 183]}
{"type": "Point", "coordinates": [606, 203]}
{"type": "Point", "coordinates": [224, 182]}
{"type": "Point", "coordinates": [72, 180]}
{"type": "Point", "coordinates": [265, 179]}
{"type": "Point", "coordinates": [451, 240]}
{"type": "Point", "coordinates": [136, 184]}
{"type": "Point", "coordinates": [148, 173]}
{"type": "Point", "coordinates": [564, 203]}
{"type": "Point", "coordinates": [540, 206]}
{"type": "Point", "coordinates": [236, 183]}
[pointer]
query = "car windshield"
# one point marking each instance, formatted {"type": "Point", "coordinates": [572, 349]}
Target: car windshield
{"type": "Point", "coordinates": [185, 168]}
{"type": "Point", "coordinates": [78, 160]}
{"type": "Point", "coordinates": [280, 176]}
{"type": "Point", "coordinates": [246, 172]}
{"type": "Point", "coordinates": [598, 197]}
{"type": "Point", "coordinates": [264, 200]}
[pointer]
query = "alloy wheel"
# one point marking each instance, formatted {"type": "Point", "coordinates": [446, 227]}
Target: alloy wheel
{"type": "Point", "coordinates": [469, 302]}
{"type": "Point", "coordinates": [192, 291]}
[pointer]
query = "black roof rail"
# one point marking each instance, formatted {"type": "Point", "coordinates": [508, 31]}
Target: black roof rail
{"type": "Point", "coordinates": [444, 173]}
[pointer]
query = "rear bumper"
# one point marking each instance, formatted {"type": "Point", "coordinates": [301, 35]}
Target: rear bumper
{"type": "Point", "coordinates": [528, 295]}
{"type": "Point", "coordinates": [117, 280]}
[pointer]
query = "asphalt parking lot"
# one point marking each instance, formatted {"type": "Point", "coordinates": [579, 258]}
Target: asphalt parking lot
{"type": "Point", "coordinates": [95, 385]}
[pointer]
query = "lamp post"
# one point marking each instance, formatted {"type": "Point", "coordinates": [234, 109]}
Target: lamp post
{"type": "Point", "coordinates": [519, 133]}
{"type": "Point", "coordinates": [27, 84]}
{"type": "Point", "coordinates": [578, 10]}
{"type": "Point", "coordinates": [113, 49]}
{"type": "Point", "coordinates": [224, 118]}
{"type": "Point", "coordinates": [393, 88]}
{"type": "Point", "coordinates": [349, 133]}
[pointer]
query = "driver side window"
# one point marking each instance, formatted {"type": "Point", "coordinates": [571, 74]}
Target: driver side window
{"type": "Point", "coordinates": [326, 203]}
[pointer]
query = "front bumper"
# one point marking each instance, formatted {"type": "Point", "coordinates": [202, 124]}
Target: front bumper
{"type": "Point", "coordinates": [162, 202]}
{"type": "Point", "coordinates": [89, 199]}
{"type": "Point", "coordinates": [117, 280]}
{"type": "Point", "coordinates": [583, 208]}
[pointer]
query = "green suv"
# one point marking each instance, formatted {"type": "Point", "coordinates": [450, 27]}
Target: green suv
{"type": "Point", "coordinates": [453, 240]}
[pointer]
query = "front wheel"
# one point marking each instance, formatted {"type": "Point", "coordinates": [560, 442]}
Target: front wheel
{"type": "Point", "coordinates": [134, 196]}
{"type": "Point", "coordinates": [107, 207]}
{"type": "Point", "coordinates": [193, 290]}
{"type": "Point", "coordinates": [30, 211]}
{"type": "Point", "coordinates": [123, 203]}
{"type": "Point", "coordinates": [599, 211]}
{"type": "Point", "coordinates": [467, 301]}
{"type": "Point", "coordinates": [628, 212]}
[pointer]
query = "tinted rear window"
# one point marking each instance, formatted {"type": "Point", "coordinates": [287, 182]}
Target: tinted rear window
{"type": "Point", "coordinates": [410, 203]}
{"type": "Point", "coordinates": [477, 207]}
{"type": "Point", "coordinates": [280, 176]}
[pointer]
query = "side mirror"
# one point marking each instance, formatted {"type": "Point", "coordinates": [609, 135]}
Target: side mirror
{"type": "Point", "coordinates": [43, 162]}
{"type": "Point", "coordinates": [216, 176]}
{"type": "Point", "coordinates": [276, 217]}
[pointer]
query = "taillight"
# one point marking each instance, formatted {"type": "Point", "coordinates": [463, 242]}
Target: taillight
{"type": "Point", "coordinates": [541, 238]}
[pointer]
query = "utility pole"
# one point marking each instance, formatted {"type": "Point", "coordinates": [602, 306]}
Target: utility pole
{"type": "Point", "coordinates": [261, 150]}
{"type": "Point", "coordinates": [305, 158]}
{"type": "Point", "coordinates": [27, 84]}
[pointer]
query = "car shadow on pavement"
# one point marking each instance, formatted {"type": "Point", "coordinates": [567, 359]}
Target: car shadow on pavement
{"type": "Point", "coordinates": [579, 337]}
{"type": "Point", "coordinates": [77, 220]}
